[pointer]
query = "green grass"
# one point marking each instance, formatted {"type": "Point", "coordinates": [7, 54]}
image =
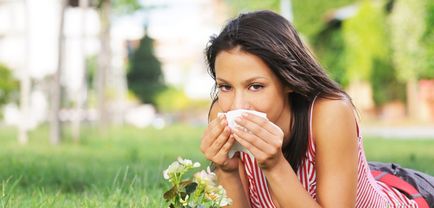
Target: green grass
{"type": "Point", "coordinates": [123, 167]}
{"type": "Point", "coordinates": [411, 153]}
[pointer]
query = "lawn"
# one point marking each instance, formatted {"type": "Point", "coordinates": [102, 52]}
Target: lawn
{"type": "Point", "coordinates": [122, 167]}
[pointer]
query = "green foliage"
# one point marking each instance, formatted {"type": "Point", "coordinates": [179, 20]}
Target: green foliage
{"type": "Point", "coordinates": [365, 40]}
{"type": "Point", "coordinates": [407, 23]}
{"type": "Point", "coordinates": [240, 6]}
{"type": "Point", "coordinates": [126, 6]}
{"type": "Point", "coordinates": [91, 66]}
{"type": "Point", "coordinates": [9, 86]}
{"type": "Point", "coordinates": [329, 46]}
{"type": "Point", "coordinates": [145, 78]}
{"type": "Point", "coordinates": [173, 100]}
{"type": "Point", "coordinates": [308, 14]}
{"type": "Point", "coordinates": [120, 7]}
{"type": "Point", "coordinates": [428, 42]}
{"type": "Point", "coordinates": [385, 85]}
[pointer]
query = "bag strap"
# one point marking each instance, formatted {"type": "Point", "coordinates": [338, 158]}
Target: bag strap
{"type": "Point", "coordinates": [401, 185]}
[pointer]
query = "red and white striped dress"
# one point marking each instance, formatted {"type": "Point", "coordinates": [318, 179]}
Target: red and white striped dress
{"type": "Point", "coordinates": [370, 193]}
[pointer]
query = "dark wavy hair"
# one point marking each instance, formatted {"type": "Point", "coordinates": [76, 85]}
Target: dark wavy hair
{"type": "Point", "coordinates": [272, 38]}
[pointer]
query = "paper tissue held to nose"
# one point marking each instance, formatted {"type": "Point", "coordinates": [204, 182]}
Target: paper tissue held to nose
{"type": "Point", "coordinates": [230, 117]}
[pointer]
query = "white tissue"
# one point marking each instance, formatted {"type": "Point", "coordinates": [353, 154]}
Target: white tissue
{"type": "Point", "coordinates": [230, 117]}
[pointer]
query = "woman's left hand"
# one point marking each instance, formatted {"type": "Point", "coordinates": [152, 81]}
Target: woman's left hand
{"type": "Point", "coordinates": [261, 137]}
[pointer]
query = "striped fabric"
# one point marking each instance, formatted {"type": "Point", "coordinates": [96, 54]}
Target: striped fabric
{"type": "Point", "coordinates": [370, 193]}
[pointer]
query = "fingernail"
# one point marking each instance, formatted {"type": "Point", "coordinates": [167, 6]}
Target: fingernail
{"type": "Point", "coordinates": [220, 115]}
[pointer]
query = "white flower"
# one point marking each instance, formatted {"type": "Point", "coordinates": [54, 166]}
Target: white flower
{"type": "Point", "coordinates": [224, 200]}
{"type": "Point", "coordinates": [184, 202]}
{"type": "Point", "coordinates": [173, 168]}
{"type": "Point", "coordinates": [207, 192]}
{"type": "Point", "coordinates": [207, 178]}
{"type": "Point", "coordinates": [188, 163]}
{"type": "Point", "coordinates": [179, 167]}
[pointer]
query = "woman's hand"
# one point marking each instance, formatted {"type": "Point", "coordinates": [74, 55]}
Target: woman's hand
{"type": "Point", "coordinates": [261, 137]}
{"type": "Point", "coordinates": [216, 143]}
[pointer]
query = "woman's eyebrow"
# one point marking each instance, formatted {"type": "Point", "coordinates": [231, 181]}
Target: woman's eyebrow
{"type": "Point", "coordinates": [221, 80]}
{"type": "Point", "coordinates": [245, 81]}
{"type": "Point", "coordinates": [253, 79]}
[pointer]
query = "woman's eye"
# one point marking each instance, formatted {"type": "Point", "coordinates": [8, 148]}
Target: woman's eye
{"type": "Point", "coordinates": [224, 88]}
{"type": "Point", "coordinates": [256, 87]}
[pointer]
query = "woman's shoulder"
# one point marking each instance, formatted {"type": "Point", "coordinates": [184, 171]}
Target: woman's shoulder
{"type": "Point", "coordinates": [333, 118]}
{"type": "Point", "coordinates": [327, 107]}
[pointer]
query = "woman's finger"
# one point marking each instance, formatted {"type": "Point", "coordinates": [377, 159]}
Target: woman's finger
{"type": "Point", "coordinates": [251, 140]}
{"type": "Point", "coordinates": [222, 155]}
{"type": "Point", "coordinates": [218, 143]}
{"type": "Point", "coordinates": [263, 123]}
{"type": "Point", "coordinates": [259, 154]}
{"type": "Point", "coordinates": [213, 130]}
{"type": "Point", "coordinates": [245, 125]}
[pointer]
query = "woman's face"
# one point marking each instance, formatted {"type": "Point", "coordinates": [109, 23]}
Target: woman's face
{"type": "Point", "coordinates": [244, 81]}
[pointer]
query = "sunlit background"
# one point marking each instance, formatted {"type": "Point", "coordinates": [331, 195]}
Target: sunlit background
{"type": "Point", "coordinates": [95, 90]}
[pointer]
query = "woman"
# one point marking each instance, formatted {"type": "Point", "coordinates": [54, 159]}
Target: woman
{"type": "Point", "coordinates": [308, 153]}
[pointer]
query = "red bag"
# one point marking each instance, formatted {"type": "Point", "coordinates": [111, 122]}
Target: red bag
{"type": "Point", "coordinates": [401, 185]}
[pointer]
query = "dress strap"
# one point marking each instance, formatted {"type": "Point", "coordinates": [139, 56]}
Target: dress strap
{"type": "Point", "coordinates": [311, 141]}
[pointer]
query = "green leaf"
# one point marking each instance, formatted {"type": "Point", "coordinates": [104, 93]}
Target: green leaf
{"type": "Point", "coordinates": [183, 195]}
{"type": "Point", "coordinates": [190, 188]}
{"type": "Point", "coordinates": [170, 194]}
{"type": "Point", "coordinates": [184, 183]}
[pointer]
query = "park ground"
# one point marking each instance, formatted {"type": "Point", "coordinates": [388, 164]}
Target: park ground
{"type": "Point", "coordinates": [122, 167]}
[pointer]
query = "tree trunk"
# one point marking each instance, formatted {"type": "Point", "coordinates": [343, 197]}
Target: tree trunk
{"type": "Point", "coordinates": [104, 63]}
{"type": "Point", "coordinates": [82, 90]}
{"type": "Point", "coordinates": [25, 85]}
{"type": "Point", "coordinates": [412, 99]}
{"type": "Point", "coordinates": [55, 124]}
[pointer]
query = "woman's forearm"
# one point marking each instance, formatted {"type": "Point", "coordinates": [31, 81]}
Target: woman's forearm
{"type": "Point", "coordinates": [286, 188]}
{"type": "Point", "coordinates": [234, 188]}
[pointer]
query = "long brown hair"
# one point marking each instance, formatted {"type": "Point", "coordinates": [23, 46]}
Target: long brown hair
{"type": "Point", "coordinates": [273, 39]}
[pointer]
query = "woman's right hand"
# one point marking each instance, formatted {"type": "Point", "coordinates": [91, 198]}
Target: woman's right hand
{"type": "Point", "coordinates": [216, 143]}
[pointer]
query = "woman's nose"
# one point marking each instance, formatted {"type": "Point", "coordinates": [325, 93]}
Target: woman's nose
{"type": "Point", "coordinates": [240, 102]}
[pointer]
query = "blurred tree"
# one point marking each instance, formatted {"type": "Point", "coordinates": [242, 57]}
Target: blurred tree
{"type": "Point", "coordinates": [338, 46]}
{"type": "Point", "coordinates": [145, 78]}
{"type": "Point", "coordinates": [407, 23]}
{"type": "Point", "coordinates": [308, 14]}
{"type": "Point", "coordinates": [105, 8]}
{"type": "Point", "coordinates": [81, 97]}
{"type": "Point", "coordinates": [8, 86]}
{"type": "Point", "coordinates": [56, 89]}
{"type": "Point", "coordinates": [384, 82]}
{"type": "Point", "coordinates": [178, 106]}
{"type": "Point", "coordinates": [329, 47]}
{"type": "Point", "coordinates": [365, 40]}
{"type": "Point", "coordinates": [104, 61]}
{"type": "Point", "coordinates": [172, 100]}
